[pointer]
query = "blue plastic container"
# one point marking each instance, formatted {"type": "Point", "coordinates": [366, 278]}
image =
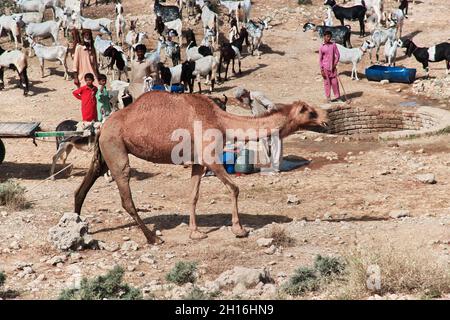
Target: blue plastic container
{"type": "Point", "coordinates": [393, 74]}
{"type": "Point", "coordinates": [229, 160]}
{"type": "Point", "coordinates": [158, 87]}
{"type": "Point", "coordinates": [175, 88]}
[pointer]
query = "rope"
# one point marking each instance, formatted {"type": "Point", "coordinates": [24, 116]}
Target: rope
{"type": "Point", "coordinates": [348, 101]}
{"type": "Point", "coordinates": [70, 165]}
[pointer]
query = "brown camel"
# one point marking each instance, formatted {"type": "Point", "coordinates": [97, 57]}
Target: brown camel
{"type": "Point", "coordinates": [144, 130]}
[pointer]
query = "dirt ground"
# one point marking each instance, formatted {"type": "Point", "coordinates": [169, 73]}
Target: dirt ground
{"type": "Point", "coordinates": [346, 193]}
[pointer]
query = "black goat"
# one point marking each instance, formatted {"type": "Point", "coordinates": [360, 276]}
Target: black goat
{"type": "Point", "coordinates": [159, 25]}
{"type": "Point", "coordinates": [340, 34]}
{"type": "Point", "coordinates": [15, 60]}
{"type": "Point", "coordinates": [435, 53]}
{"type": "Point", "coordinates": [67, 125]}
{"type": "Point", "coordinates": [168, 13]}
{"type": "Point", "coordinates": [352, 13]}
{"type": "Point", "coordinates": [192, 43]}
{"type": "Point", "coordinates": [404, 7]}
{"type": "Point", "coordinates": [231, 51]}
{"type": "Point", "coordinates": [117, 59]}
{"type": "Point", "coordinates": [179, 74]}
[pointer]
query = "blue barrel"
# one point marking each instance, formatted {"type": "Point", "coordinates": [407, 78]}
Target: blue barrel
{"type": "Point", "coordinates": [158, 87]}
{"type": "Point", "coordinates": [229, 159]}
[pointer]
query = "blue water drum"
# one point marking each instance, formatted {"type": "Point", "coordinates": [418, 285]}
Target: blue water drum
{"type": "Point", "coordinates": [229, 159]}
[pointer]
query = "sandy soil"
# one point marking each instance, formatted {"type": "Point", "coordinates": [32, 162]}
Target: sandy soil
{"type": "Point", "coordinates": [354, 192]}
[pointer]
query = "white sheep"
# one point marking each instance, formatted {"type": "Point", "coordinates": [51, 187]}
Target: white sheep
{"type": "Point", "coordinates": [353, 55]}
{"type": "Point", "coordinates": [53, 53]}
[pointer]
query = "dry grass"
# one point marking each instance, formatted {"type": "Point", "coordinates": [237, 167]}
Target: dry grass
{"type": "Point", "coordinates": [280, 236]}
{"type": "Point", "coordinates": [12, 195]}
{"type": "Point", "coordinates": [402, 271]}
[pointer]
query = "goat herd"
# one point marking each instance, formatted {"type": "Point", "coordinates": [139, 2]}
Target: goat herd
{"type": "Point", "coordinates": [208, 58]}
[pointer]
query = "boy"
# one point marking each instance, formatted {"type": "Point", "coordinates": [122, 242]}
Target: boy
{"type": "Point", "coordinates": [88, 101]}
{"type": "Point", "coordinates": [328, 59]}
{"type": "Point", "coordinates": [103, 104]}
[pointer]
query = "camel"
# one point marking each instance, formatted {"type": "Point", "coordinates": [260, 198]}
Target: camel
{"type": "Point", "coordinates": [143, 130]}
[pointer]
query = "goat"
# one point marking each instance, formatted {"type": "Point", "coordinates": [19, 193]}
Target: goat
{"type": "Point", "coordinates": [176, 75]}
{"type": "Point", "coordinates": [328, 22]}
{"type": "Point", "coordinates": [12, 24]}
{"type": "Point", "coordinates": [398, 17]}
{"type": "Point", "coordinates": [340, 34]}
{"type": "Point", "coordinates": [30, 17]}
{"type": "Point", "coordinates": [132, 39]}
{"type": "Point", "coordinates": [30, 5]}
{"type": "Point", "coordinates": [167, 13]}
{"type": "Point", "coordinates": [357, 12]}
{"type": "Point", "coordinates": [230, 51]}
{"type": "Point", "coordinates": [193, 52]}
{"type": "Point", "coordinates": [44, 29]}
{"type": "Point", "coordinates": [380, 36]}
{"type": "Point", "coordinates": [119, 96]}
{"type": "Point", "coordinates": [63, 15]}
{"type": "Point", "coordinates": [15, 60]}
{"type": "Point", "coordinates": [102, 25]}
{"type": "Point", "coordinates": [117, 57]}
{"type": "Point", "coordinates": [404, 7]}
{"type": "Point", "coordinates": [255, 33]}
{"type": "Point", "coordinates": [376, 5]}
{"type": "Point", "coordinates": [173, 51]}
{"type": "Point", "coordinates": [161, 27]}
{"type": "Point", "coordinates": [155, 56]}
{"type": "Point", "coordinates": [425, 55]}
{"type": "Point", "coordinates": [54, 53]}
{"type": "Point", "coordinates": [119, 23]}
{"type": "Point", "coordinates": [390, 51]}
{"type": "Point", "coordinates": [206, 67]}
{"type": "Point", "coordinates": [210, 20]}
{"type": "Point", "coordinates": [235, 6]}
{"type": "Point", "coordinates": [353, 55]}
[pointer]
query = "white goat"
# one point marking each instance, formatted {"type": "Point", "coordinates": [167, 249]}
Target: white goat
{"type": "Point", "coordinates": [54, 53]}
{"type": "Point", "coordinates": [206, 67]}
{"type": "Point", "coordinates": [17, 59]}
{"type": "Point", "coordinates": [120, 23]}
{"type": "Point", "coordinates": [102, 25]}
{"type": "Point", "coordinates": [30, 5]}
{"type": "Point", "coordinates": [119, 90]}
{"type": "Point", "coordinates": [353, 55]}
{"type": "Point", "coordinates": [255, 32]}
{"type": "Point", "coordinates": [12, 24]}
{"type": "Point", "coordinates": [192, 52]}
{"type": "Point", "coordinates": [376, 5]}
{"type": "Point", "coordinates": [44, 29]}
{"type": "Point", "coordinates": [30, 17]}
{"type": "Point", "coordinates": [329, 20]}
{"type": "Point", "coordinates": [398, 17]}
{"type": "Point", "coordinates": [380, 36]}
{"type": "Point", "coordinates": [155, 56]}
{"type": "Point", "coordinates": [176, 25]}
{"type": "Point", "coordinates": [132, 39]}
{"type": "Point", "coordinates": [390, 51]}
{"type": "Point", "coordinates": [210, 20]}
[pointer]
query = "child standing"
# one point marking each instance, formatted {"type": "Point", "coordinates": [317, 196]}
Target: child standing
{"type": "Point", "coordinates": [328, 59]}
{"type": "Point", "coordinates": [87, 96]}
{"type": "Point", "coordinates": [103, 104]}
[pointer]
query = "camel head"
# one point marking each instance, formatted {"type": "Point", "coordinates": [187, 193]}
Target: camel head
{"type": "Point", "coordinates": [303, 116]}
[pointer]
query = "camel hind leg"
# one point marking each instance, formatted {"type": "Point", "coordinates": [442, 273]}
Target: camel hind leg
{"type": "Point", "coordinates": [223, 176]}
{"type": "Point", "coordinates": [196, 176]}
{"type": "Point", "coordinates": [116, 156]}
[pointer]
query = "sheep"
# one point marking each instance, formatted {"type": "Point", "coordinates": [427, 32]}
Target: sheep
{"type": "Point", "coordinates": [167, 13]}
{"type": "Point", "coordinates": [54, 53]}
{"type": "Point", "coordinates": [340, 34]}
{"type": "Point", "coordinates": [12, 24]}
{"type": "Point", "coordinates": [380, 36]}
{"type": "Point", "coordinates": [119, 23]}
{"type": "Point", "coordinates": [210, 20]}
{"type": "Point", "coordinates": [390, 51]}
{"type": "Point", "coordinates": [44, 29]}
{"type": "Point", "coordinates": [193, 52]}
{"type": "Point", "coordinates": [17, 60]}
{"type": "Point", "coordinates": [357, 12]}
{"type": "Point", "coordinates": [255, 33]}
{"type": "Point", "coordinates": [353, 55]}
{"type": "Point", "coordinates": [328, 22]}
{"type": "Point", "coordinates": [230, 51]}
{"type": "Point", "coordinates": [30, 17]}
{"type": "Point", "coordinates": [424, 55]}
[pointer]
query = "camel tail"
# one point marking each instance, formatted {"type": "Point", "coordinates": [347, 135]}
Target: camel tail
{"type": "Point", "coordinates": [97, 168]}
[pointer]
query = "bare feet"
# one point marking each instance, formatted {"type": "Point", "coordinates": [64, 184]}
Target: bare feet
{"type": "Point", "coordinates": [197, 235]}
{"type": "Point", "coordinates": [239, 231]}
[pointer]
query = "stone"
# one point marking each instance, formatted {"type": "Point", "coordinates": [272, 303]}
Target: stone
{"type": "Point", "coordinates": [427, 178]}
{"type": "Point", "coordinates": [71, 233]}
{"type": "Point", "coordinates": [14, 245]}
{"type": "Point", "coordinates": [293, 199]}
{"type": "Point", "coordinates": [148, 258]}
{"type": "Point", "coordinates": [129, 246]}
{"type": "Point", "coordinates": [385, 81]}
{"type": "Point", "coordinates": [242, 276]}
{"type": "Point", "coordinates": [158, 233]}
{"type": "Point", "coordinates": [396, 214]}
{"type": "Point", "coordinates": [271, 250]}
{"type": "Point", "coordinates": [57, 259]}
{"type": "Point", "coordinates": [264, 242]}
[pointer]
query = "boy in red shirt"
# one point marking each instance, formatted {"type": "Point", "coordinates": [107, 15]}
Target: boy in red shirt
{"type": "Point", "coordinates": [88, 100]}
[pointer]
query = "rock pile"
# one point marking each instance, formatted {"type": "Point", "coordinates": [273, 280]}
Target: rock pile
{"type": "Point", "coordinates": [438, 88]}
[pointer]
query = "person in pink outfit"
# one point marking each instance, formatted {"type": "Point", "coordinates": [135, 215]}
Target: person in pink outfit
{"type": "Point", "coordinates": [329, 58]}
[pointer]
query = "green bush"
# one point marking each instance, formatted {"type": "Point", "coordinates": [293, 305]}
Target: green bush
{"type": "Point", "coordinates": [182, 273]}
{"type": "Point", "coordinates": [109, 286]}
{"type": "Point", "coordinates": [304, 2]}
{"type": "Point", "coordinates": [2, 278]}
{"type": "Point", "coordinates": [196, 294]}
{"type": "Point", "coordinates": [328, 266]}
{"type": "Point", "coordinates": [13, 195]}
{"type": "Point", "coordinates": [303, 280]}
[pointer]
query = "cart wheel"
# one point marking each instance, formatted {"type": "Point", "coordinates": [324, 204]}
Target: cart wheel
{"type": "Point", "coordinates": [2, 151]}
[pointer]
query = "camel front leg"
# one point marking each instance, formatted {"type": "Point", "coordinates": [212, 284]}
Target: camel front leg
{"type": "Point", "coordinates": [220, 172]}
{"type": "Point", "coordinates": [196, 176]}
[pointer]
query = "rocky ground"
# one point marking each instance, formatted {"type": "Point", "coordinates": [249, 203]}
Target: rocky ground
{"type": "Point", "coordinates": [353, 196]}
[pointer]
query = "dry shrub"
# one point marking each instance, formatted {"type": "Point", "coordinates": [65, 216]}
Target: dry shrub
{"type": "Point", "coordinates": [12, 195]}
{"type": "Point", "coordinates": [403, 271]}
{"type": "Point", "coordinates": [280, 236]}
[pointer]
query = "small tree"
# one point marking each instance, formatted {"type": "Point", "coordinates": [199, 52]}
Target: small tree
{"type": "Point", "coordinates": [182, 273]}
